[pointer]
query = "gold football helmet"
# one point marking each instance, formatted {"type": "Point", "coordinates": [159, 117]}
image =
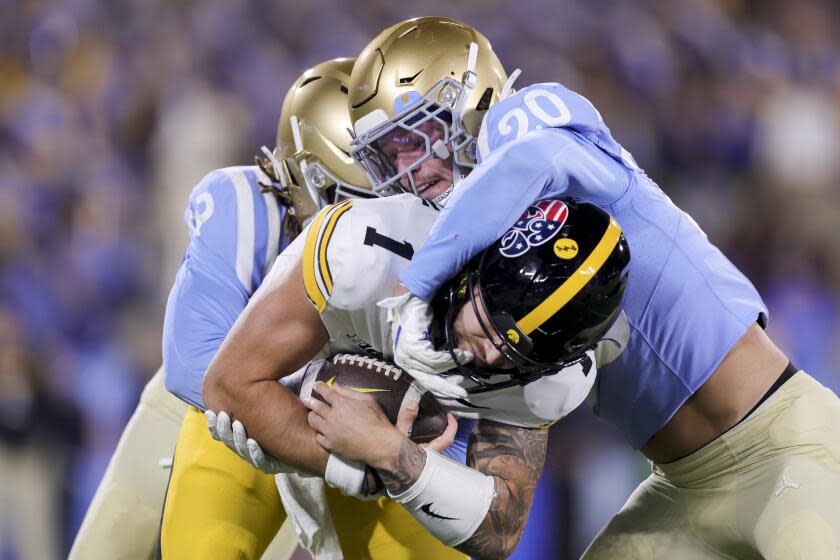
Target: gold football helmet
{"type": "Point", "coordinates": [424, 82]}
{"type": "Point", "coordinates": [311, 161]}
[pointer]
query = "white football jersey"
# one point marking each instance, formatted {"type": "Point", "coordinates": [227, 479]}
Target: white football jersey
{"type": "Point", "coordinates": [352, 255]}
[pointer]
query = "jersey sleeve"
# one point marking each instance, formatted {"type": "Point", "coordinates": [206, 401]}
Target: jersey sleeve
{"type": "Point", "coordinates": [342, 269]}
{"type": "Point", "coordinates": [234, 233]}
{"type": "Point", "coordinates": [540, 164]}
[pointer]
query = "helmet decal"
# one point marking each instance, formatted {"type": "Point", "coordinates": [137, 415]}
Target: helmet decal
{"type": "Point", "coordinates": [512, 336]}
{"type": "Point", "coordinates": [406, 100]}
{"type": "Point", "coordinates": [566, 248]}
{"type": "Point", "coordinates": [538, 225]}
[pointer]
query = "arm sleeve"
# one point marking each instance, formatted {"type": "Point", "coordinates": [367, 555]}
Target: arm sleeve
{"type": "Point", "coordinates": [540, 164]}
{"type": "Point", "coordinates": [208, 294]}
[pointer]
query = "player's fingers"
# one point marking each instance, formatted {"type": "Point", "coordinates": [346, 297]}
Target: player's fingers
{"type": "Point", "coordinates": [224, 429]}
{"type": "Point", "coordinates": [435, 363]}
{"type": "Point", "coordinates": [326, 392]}
{"type": "Point", "coordinates": [255, 452]}
{"type": "Point", "coordinates": [446, 438]}
{"type": "Point", "coordinates": [211, 418]}
{"type": "Point", "coordinates": [407, 416]}
{"type": "Point", "coordinates": [324, 442]}
{"type": "Point", "coordinates": [240, 438]}
{"type": "Point", "coordinates": [319, 407]}
{"type": "Point", "coordinates": [316, 421]}
{"type": "Point", "coordinates": [259, 459]}
{"type": "Point", "coordinates": [439, 385]}
{"type": "Point", "coordinates": [463, 356]}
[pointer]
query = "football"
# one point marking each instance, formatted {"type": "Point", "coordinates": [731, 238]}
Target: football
{"type": "Point", "coordinates": [388, 384]}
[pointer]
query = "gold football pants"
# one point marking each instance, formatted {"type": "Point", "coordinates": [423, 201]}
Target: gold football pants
{"type": "Point", "coordinates": [218, 506]}
{"type": "Point", "coordinates": [769, 488]}
{"type": "Point", "coordinates": [123, 519]}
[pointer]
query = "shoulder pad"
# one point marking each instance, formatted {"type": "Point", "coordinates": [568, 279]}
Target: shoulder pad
{"type": "Point", "coordinates": [355, 249]}
{"type": "Point", "coordinates": [540, 106]}
{"type": "Point", "coordinates": [228, 216]}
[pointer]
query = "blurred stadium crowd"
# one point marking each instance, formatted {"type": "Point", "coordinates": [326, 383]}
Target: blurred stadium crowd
{"type": "Point", "coordinates": [111, 111]}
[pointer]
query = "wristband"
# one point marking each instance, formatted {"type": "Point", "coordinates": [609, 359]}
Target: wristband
{"type": "Point", "coordinates": [449, 499]}
{"type": "Point", "coordinates": [346, 476]}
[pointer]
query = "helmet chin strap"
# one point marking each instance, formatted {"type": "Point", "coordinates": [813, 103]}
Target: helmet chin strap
{"type": "Point", "coordinates": [444, 196]}
{"type": "Point", "coordinates": [470, 77]}
{"type": "Point", "coordinates": [275, 164]}
{"type": "Point", "coordinates": [293, 121]}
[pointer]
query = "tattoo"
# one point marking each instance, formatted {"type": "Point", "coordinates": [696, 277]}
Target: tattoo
{"type": "Point", "coordinates": [514, 457]}
{"type": "Point", "coordinates": [406, 469]}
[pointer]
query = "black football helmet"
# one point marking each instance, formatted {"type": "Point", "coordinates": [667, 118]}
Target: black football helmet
{"type": "Point", "coordinates": [549, 289]}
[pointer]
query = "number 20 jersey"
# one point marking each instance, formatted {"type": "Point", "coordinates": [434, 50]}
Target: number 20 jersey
{"type": "Point", "coordinates": [352, 254]}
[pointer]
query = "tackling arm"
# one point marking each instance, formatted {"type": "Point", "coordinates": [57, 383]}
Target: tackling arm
{"type": "Point", "coordinates": [277, 333]}
{"type": "Point", "coordinates": [540, 164]}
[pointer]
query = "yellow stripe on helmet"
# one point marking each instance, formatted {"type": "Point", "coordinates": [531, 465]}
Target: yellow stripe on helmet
{"type": "Point", "coordinates": [575, 283]}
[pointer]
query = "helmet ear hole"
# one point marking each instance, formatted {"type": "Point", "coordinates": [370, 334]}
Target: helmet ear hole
{"type": "Point", "coordinates": [484, 102]}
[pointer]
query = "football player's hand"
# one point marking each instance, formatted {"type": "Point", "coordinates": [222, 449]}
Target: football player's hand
{"type": "Point", "coordinates": [407, 416]}
{"type": "Point", "coordinates": [351, 424]}
{"type": "Point", "coordinates": [410, 318]}
{"type": "Point", "coordinates": [233, 435]}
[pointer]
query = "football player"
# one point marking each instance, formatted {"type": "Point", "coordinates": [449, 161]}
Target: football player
{"type": "Point", "coordinates": [235, 508]}
{"type": "Point", "coordinates": [323, 296]}
{"type": "Point", "coordinates": [238, 220]}
{"type": "Point", "coordinates": [737, 435]}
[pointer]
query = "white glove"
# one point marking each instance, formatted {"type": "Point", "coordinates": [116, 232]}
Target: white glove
{"type": "Point", "coordinates": [410, 318]}
{"type": "Point", "coordinates": [235, 438]}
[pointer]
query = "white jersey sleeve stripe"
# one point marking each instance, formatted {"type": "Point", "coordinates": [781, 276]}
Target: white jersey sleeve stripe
{"type": "Point", "coordinates": [245, 227]}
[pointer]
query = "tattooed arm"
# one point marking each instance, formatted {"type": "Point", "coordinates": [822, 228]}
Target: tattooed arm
{"type": "Point", "coordinates": [510, 460]}
{"type": "Point", "coordinates": [514, 457]}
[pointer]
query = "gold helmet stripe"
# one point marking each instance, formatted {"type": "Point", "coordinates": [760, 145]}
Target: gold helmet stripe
{"type": "Point", "coordinates": [579, 278]}
{"type": "Point", "coordinates": [316, 276]}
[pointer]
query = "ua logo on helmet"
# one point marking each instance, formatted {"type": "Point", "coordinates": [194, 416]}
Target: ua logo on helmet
{"type": "Point", "coordinates": [539, 224]}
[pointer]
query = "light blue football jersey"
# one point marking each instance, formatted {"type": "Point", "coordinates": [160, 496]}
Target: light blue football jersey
{"type": "Point", "coordinates": [236, 233]}
{"type": "Point", "coordinates": [686, 303]}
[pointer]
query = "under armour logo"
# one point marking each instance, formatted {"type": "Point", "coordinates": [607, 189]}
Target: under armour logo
{"type": "Point", "coordinates": [785, 483]}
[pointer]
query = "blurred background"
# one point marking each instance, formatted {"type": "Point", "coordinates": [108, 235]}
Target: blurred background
{"type": "Point", "coordinates": [111, 111]}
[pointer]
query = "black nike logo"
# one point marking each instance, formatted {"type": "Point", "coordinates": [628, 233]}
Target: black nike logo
{"type": "Point", "coordinates": [427, 509]}
{"type": "Point", "coordinates": [409, 79]}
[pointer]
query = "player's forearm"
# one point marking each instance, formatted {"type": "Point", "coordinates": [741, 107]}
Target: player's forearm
{"type": "Point", "coordinates": [513, 457]}
{"type": "Point", "coordinates": [274, 417]}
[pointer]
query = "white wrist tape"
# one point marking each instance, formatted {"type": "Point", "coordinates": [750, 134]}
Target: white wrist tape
{"type": "Point", "coordinates": [449, 499]}
{"type": "Point", "coordinates": [346, 476]}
